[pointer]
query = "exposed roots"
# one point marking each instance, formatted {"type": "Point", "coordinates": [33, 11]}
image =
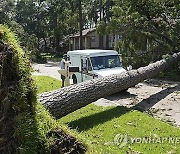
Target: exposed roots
{"type": "Point", "coordinates": [65, 144]}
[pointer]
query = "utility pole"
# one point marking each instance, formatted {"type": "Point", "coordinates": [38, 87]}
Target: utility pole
{"type": "Point", "coordinates": [80, 26]}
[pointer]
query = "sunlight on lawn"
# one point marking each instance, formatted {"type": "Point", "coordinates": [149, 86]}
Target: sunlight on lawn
{"type": "Point", "coordinates": [100, 125]}
{"type": "Point", "coordinates": [46, 83]}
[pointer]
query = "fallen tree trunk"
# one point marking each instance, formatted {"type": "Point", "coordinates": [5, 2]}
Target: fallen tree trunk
{"type": "Point", "coordinates": [66, 100]}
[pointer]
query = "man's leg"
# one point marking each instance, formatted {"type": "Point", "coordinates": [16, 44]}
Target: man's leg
{"type": "Point", "coordinates": [63, 79]}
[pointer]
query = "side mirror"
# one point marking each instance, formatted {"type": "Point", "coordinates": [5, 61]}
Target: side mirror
{"type": "Point", "coordinates": [129, 68]}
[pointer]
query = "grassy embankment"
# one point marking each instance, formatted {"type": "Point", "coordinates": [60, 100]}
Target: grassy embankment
{"type": "Point", "coordinates": [26, 127]}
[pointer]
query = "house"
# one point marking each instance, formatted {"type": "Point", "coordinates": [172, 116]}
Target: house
{"type": "Point", "coordinates": [91, 40]}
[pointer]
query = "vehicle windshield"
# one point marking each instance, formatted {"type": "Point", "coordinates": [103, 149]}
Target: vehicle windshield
{"type": "Point", "coordinates": [102, 62]}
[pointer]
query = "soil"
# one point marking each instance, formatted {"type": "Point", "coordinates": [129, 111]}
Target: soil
{"type": "Point", "coordinates": [65, 144]}
{"type": "Point", "coordinates": [158, 98]}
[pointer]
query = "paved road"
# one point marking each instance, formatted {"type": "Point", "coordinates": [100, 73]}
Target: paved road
{"type": "Point", "coordinates": [49, 69]}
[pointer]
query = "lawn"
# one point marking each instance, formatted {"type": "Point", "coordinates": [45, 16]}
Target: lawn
{"type": "Point", "coordinates": [105, 129]}
{"type": "Point", "coordinates": [46, 83]}
{"type": "Point", "coordinates": [100, 125]}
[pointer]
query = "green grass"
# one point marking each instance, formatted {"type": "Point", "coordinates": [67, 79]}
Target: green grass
{"type": "Point", "coordinates": [100, 125]}
{"type": "Point", "coordinates": [46, 83]}
{"type": "Point", "coordinates": [44, 121]}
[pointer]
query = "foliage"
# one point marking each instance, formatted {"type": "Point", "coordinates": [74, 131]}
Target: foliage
{"type": "Point", "coordinates": [42, 26]}
{"type": "Point", "coordinates": [47, 24]}
{"type": "Point", "coordinates": [32, 123]}
{"type": "Point", "coordinates": [49, 21]}
{"type": "Point", "coordinates": [172, 73]}
{"type": "Point", "coordinates": [100, 125]}
{"type": "Point", "coordinates": [25, 95]}
{"type": "Point", "coordinates": [145, 28]}
{"type": "Point", "coordinates": [6, 11]}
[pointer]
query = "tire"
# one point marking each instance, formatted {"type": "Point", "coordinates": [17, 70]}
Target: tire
{"type": "Point", "coordinates": [74, 79]}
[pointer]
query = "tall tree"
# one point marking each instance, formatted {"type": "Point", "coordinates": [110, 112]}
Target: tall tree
{"type": "Point", "coordinates": [32, 16]}
{"type": "Point", "coordinates": [6, 11]}
{"type": "Point", "coordinates": [146, 26]}
{"type": "Point", "coordinates": [80, 25]}
{"type": "Point", "coordinates": [99, 13]}
{"type": "Point", "coordinates": [45, 19]}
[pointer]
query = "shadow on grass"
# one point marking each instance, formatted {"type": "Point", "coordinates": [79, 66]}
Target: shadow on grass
{"type": "Point", "coordinates": [154, 99]}
{"type": "Point", "coordinates": [88, 122]}
{"type": "Point", "coordinates": [120, 95]}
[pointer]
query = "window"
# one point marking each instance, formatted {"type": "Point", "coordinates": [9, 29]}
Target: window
{"type": "Point", "coordinates": [86, 64]}
{"type": "Point", "coordinates": [102, 62]}
{"type": "Point", "coordinates": [89, 65]}
{"type": "Point", "coordinates": [93, 38]}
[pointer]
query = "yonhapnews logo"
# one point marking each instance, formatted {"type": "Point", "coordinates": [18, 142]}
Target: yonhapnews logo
{"type": "Point", "coordinates": [123, 139]}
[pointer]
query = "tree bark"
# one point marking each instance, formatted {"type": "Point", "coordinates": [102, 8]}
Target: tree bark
{"type": "Point", "coordinates": [68, 99]}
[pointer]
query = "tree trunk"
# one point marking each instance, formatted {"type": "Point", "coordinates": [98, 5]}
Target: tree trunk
{"type": "Point", "coordinates": [80, 26]}
{"type": "Point", "coordinates": [57, 47]}
{"type": "Point", "coordinates": [100, 18]}
{"type": "Point", "coordinates": [66, 100]}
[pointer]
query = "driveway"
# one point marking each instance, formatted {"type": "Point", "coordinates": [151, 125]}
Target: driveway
{"type": "Point", "coordinates": [48, 69]}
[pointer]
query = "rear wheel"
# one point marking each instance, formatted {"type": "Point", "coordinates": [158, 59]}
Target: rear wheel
{"type": "Point", "coordinates": [74, 79]}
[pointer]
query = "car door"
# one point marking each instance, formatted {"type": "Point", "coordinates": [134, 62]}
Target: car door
{"type": "Point", "coordinates": [86, 68]}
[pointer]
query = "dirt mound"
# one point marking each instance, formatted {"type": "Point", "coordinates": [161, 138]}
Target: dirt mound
{"type": "Point", "coordinates": [64, 143]}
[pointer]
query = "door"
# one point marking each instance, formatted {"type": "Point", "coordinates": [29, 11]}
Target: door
{"type": "Point", "coordinates": [86, 69]}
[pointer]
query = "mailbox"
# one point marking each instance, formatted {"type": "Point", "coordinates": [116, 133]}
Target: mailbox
{"type": "Point", "coordinates": [73, 69]}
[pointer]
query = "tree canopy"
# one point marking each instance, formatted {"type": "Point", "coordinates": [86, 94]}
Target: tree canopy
{"type": "Point", "coordinates": [146, 25]}
{"type": "Point", "coordinates": [143, 26]}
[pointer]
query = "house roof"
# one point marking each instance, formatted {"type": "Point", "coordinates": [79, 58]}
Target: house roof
{"type": "Point", "coordinates": [84, 32]}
